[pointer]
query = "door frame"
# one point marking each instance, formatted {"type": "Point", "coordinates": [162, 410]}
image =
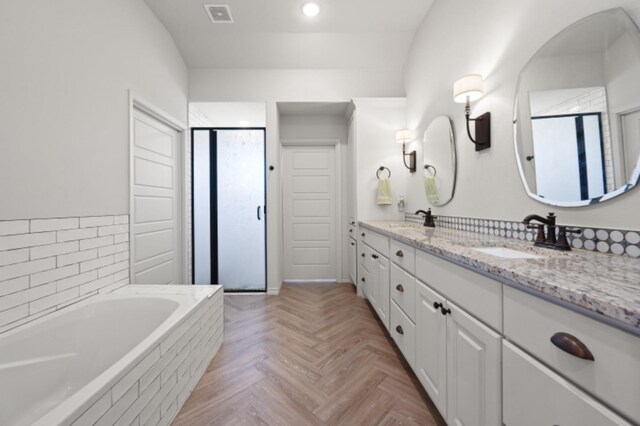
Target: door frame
{"type": "Point", "coordinates": [310, 143]}
{"type": "Point", "coordinates": [139, 103]}
{"type": "Point", "coordinates": [213, 229]}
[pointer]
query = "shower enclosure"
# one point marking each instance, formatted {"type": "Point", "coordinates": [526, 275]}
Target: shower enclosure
{"type": "Point", "coordinates": [228, 201]}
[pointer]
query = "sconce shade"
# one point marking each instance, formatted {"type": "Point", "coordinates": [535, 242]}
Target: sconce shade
{"type": "Point", "coordinates": [469, 86]}
{"type": "Point", "coordinates": [404, 136]}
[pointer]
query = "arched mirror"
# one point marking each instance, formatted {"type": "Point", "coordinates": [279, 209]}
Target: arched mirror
{"type": "Point", "coordinates": [439, 162]}
{"type": "Point", "coordinates": [577, 113]}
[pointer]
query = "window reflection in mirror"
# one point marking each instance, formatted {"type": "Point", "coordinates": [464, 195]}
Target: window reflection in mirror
{"type": "Point", "coordinates": [577, 115]}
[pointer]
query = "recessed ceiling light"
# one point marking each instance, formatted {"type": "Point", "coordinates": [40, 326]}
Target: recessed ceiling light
{"type": "Point", "coordinates": [311, 9]}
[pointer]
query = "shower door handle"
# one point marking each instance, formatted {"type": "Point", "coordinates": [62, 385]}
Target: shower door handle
{"type": "Point", "coordinates": [258, 213]}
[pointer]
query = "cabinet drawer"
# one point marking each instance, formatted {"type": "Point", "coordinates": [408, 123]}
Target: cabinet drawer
{"type": "Point", "coordinates": [403, 255]}
{"type": "Point", "coordinates": [475, 293]}
{"type": "Point", "coordinates": [378, 242]}
{"type": "Point", "coordinates": [534, 395]}
{"type": "Point", "coordinates": [403, 332]}
{"type": "Point", "coordinates": [614, 374]}
{"type": "Point", "coordinates": [403, 291]}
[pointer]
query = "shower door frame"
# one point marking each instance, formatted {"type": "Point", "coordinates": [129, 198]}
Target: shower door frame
{"type": "Point", "coordinates": [213, 206]}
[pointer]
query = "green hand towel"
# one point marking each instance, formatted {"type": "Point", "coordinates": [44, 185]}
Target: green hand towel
{"type": "Point", "coordinates": [384, 192]}
{"type": "Point", "coordinates": [431, 189]}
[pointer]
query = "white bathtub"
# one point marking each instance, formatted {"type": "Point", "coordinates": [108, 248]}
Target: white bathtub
{"type": "Point", "coordinates": [54, 369]}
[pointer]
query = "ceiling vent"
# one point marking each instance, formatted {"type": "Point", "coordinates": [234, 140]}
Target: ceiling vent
{"type": "Point", "coordinates": [219, 13]}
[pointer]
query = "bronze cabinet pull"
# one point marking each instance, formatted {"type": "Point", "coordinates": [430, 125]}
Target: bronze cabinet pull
{"type": "Point", "coordinates": [399, 253]}
{"type": "Point", "coordinates": [400, 288]}
{"type": "Point", "coordinates": [350, 230]}
{"type": "Point", "coordinates": [362, 279]}
{"type": "Point", "coordinates": [362, 234]}
{"type": "Point", "coordinates": [399, 330]}
{"type": "Point", "coordinates": [375, 256]}
{"type": "Point", "coordinates": [362, 255]}
{"type": "Point", "coordinates": [572, 345]}
{"type": "Point", "coordinates": [444, 310]}
{"type": "Point", "coordinates": [437, 305]}
{"type": "Point", "coordinates": [353, 244]}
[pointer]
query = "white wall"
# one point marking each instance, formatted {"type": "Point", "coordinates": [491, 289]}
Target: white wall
{"type": "Point", "coordinates": [495, 38]}
{"type": "Point", "coordinates": [67, 67]}
{"type": "Point", "coordinates": [272, 86]}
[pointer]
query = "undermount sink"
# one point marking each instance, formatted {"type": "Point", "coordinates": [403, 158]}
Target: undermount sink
{"type": "Point", "coordinates": [506, 253]}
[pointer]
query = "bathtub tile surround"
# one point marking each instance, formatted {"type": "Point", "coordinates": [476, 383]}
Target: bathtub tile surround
{"type": "Point", "coordinates": [47, 264]}
{"type": "Point", "coordinates": [612, 241]}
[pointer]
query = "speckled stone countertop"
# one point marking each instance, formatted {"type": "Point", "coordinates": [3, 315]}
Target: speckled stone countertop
{"type": "Point", "coordinates": [605, 284]}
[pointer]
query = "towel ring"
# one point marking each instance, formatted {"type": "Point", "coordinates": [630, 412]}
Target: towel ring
{"type": "Point", "coordinates": [429, 166]}
{"type": "Point", "coordinates": [381, 169]}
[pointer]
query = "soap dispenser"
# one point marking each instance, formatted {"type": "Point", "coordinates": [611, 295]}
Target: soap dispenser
{"type": "Point", "coordinates": [401, 204]}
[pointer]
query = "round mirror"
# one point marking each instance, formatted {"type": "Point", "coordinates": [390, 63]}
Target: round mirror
{"type": "Point", "coordinates": [577, 113]}
{"type": "Point", "coordinates": [439, 162]}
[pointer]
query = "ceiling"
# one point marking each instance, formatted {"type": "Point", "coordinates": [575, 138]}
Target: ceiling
{"type": "Point", "coordinates": [274, 34]}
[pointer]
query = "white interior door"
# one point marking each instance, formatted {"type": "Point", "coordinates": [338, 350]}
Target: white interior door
{"type": "Point", "coordinates": [156, 217]}
{"type": "Point", "coordinates": [309, 213]}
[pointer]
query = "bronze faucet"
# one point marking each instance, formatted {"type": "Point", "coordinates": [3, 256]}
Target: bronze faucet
{"type": "Point", "coordinates": [548, 239]}
{"type": "Point", "coordinates": [428, 218]}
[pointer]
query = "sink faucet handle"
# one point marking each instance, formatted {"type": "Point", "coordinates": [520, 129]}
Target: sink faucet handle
{"type": "Point", "coordinates": [540, 237]}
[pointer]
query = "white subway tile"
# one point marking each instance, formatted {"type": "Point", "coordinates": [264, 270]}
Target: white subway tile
{"type": "Point", "coordinates": [151, 414]}
{"type": "Point", "coordinates": [96, 242]}
{"type": "Point", "coordinates": [40, 252]}
{"type": "Point", "coordinates": [76, 300]}
{"type": "Point", "coordinates": [54, 275]}
{"type": "Point", "coordinates": [76, 280]}
{"type": "Point", "coordinates": [116, 248]}
{"type": "Point", "coordinates": [119, 407]}
{"type": "Point", "coordinates": [13, 256]}
{"type": "Point", "coordinates": [120, 238]}
{"type": "Point", "coordinates": [157, 369]}
{"type": "Point", "coordinates": [23, 297]}
{"type": "Point", "coordinates": [96, 285]}
{"type": "Point", "coordinates": [90, 222]}
{"type": "Point", "coordinates": [114, 286]}
{"type": "Point", "coordinates": [170, 400]}
{"type": "Point", "coordinates": [77, 234]}
{"type": "Point", "coordinates": [12, 227]}
{"type": "Point", "coordinates": [26, 240]}
{"type": "Point", "coordinates": [79, 256]}
{"type": "Point", "coordinates": [135, 373]}
{"type": "Point", "coordinates": [96, 263]}
{"type": "Point", "coordinates": [134, 410]}
{"type": "Point", "coordinates": [53, 300]}
{"type": "Point", "coordinates": [11, 315]}
{"type": "Point", "coordinates": [119, 220]}
{"type": "Point", "coordinates": [112, 230]}
{"type": "Point", "coordinates": [119, 257]}
{"type": "Point", "coordinates": [121, 275]}
{"type": "Point", "coordinates": [112, 269]}
{"type": "Point", "coordinates": [26, 268]}
{"type": "Point", "coordinates": [94, 412]}
{"type": "Point", "coordinates": [14, 285]}
{"type": "Point", "coordinates": [42, 225]}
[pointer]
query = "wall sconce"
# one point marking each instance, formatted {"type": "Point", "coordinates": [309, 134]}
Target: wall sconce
{"type": "Point", "coordinates": [467, 89]}
{"type": "Point", "coordinates": [403, 136]}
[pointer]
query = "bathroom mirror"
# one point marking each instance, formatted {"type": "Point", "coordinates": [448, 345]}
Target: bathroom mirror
{"type": "Point", "coordinates": [439, 162]}
{"type": "Point", "coordinates": [577, 113]}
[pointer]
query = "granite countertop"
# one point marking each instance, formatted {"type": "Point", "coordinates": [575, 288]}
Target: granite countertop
{"type": "Point", "coordinates": [605, 284]}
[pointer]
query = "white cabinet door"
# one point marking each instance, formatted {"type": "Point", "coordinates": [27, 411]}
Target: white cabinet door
{"type": "Point", "coordinates": [534, 395]}
{"type": "Point", "coordinates": [353, 261]}
{"type": "Point", "coordinates": [473, 371]}
{"type": "Point", "coordinates": [382, 283]}
{"type": "Point", "coordinates": [431, 345]}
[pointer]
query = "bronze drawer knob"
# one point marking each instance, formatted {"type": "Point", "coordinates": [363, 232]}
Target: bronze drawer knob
{"type": "Point", "coordinates": [400, 288]}
{"type": "Point", "coordinates": [399, 253]}
{"type": "Point", "coordinates": [399, 330]}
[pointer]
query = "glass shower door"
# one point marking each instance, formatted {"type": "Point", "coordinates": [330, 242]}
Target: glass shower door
{"type": "Point", "coordinates": [237, 215]}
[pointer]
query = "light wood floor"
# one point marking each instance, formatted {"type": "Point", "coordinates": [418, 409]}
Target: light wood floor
{"type": "Point", "coordinates": [315, 355]}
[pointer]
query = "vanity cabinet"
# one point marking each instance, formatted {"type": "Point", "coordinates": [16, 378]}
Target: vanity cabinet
{"type": "Point", "coordinates": [457, 360]}
{"type": "Point", "coordinates": [374, 251]}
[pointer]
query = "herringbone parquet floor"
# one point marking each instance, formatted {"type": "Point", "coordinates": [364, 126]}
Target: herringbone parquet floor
{"type": "Point", "coordinates": [315, 355]}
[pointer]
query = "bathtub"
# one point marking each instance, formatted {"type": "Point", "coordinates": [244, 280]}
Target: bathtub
{"type": "Point", "coordinates": [77, 365]}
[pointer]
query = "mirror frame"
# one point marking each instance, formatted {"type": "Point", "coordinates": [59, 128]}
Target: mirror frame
{"type": "Point", "coordinates": [635, 176]}
{"type": "Point", "coordinates": [454, 157]}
